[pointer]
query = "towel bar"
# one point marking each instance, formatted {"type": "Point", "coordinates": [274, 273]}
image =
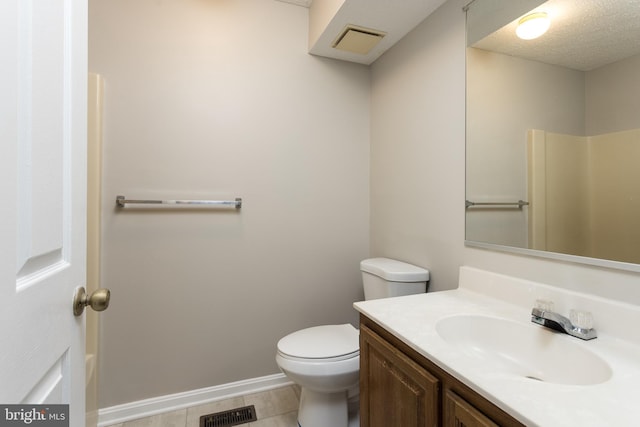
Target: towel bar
{"type": "Point", "coordinates": [122, 201]}
{"type": "Point", "coordinates": [519, 204]}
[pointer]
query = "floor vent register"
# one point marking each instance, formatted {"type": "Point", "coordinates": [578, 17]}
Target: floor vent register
{"type": "Point", "coordinates": [232, 417]}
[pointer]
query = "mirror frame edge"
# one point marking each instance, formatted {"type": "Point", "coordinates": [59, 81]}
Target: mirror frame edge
{"type": "Point", "coordinates": [556, 256]}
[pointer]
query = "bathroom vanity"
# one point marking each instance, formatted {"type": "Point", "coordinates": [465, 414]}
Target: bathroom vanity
{"type": "Point", "coordinates": [399, 386]}
{"type": "Point", "coordinates": [472, 357]}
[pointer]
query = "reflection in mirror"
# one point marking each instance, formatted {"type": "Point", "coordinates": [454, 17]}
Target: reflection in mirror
{"type": "Point", "coordinates": [555, 122]}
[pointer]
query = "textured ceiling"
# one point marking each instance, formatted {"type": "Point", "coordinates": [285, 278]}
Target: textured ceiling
{"type": "Point", "coordinates": [584, 34]}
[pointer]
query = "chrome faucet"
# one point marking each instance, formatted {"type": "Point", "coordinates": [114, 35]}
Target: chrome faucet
{"type": "Point", "coordinates": [580, 327]}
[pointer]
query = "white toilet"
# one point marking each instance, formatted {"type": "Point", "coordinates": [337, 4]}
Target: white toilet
{"type": "Point", "coordinates": [325, 360]}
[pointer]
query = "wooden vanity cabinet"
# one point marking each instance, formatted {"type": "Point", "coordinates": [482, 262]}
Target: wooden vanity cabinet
{"type": "Point", "coordinates": [399, 391]}
{"type": "Point", "coordinates": [401, 388]}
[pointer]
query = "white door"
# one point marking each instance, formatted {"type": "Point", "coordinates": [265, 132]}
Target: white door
{"type": "Point", "coordinates": [43, 81]}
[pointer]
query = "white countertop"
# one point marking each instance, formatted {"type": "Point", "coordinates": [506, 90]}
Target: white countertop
{"type": "Point", "coordinates": [614, 402]}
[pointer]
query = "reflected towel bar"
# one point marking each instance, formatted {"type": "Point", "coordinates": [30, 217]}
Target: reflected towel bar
{"type": "Point", "coordinates": [519, 204]}
{"type": "Point", "coordinates": [121, 202]}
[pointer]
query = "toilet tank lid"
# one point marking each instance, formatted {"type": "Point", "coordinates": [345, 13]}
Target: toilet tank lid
{"type": "Point", "coordinates": [394, 271]}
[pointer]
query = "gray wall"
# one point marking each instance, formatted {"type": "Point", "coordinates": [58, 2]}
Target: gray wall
{"type": "Point", "coordinates": [219, 99]}
{"type": "Point", "coordinates": [209, 99]}
{"type": "Point", "coordinates": [613, 97]}
{"type": "Point", "coordinates": [417, 148]}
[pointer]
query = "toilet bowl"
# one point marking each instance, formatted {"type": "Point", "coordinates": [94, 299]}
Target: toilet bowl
{"type": "Point", "coordinates": [325, 360]}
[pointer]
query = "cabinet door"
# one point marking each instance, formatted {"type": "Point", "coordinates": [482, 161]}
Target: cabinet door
{"type": "Point", "coordinates": [394, 390]}
{"type": "Point", "coordinates": [459, 413]}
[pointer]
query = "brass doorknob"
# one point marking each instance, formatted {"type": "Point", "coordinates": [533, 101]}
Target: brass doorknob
{"type": "Point", "coordinates": [98, 300]}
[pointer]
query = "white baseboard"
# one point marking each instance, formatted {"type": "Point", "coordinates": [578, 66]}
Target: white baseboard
{"type": "Point", "coordinates": [157, 405]}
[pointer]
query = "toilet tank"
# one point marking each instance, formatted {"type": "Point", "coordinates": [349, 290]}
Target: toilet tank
{"type": "Point", "coordinates": [384, 278]}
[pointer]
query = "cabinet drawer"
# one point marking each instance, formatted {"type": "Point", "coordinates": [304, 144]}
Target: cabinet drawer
{"type": "Point", "coordinates": [460, 413]}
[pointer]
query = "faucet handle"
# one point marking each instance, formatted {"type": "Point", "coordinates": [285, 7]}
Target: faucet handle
{"type": "Point", "coordinates": [581, 319]}
{"type": "Point", "coordinates": [544, 304]}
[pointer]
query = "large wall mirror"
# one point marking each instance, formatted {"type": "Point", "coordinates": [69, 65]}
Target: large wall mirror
{"type": "Point", "coordinates": [553, 130]}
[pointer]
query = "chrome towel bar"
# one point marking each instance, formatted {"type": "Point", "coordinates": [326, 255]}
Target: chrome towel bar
{"type": "Point", "coordinates": [122, 201]}
{"type": "Point", "coordinates": [519, 204]}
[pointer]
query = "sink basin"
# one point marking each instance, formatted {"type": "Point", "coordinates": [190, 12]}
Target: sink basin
{"type": "Point", "coordinates": [527, 351]}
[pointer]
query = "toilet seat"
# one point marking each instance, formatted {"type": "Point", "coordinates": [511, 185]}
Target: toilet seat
{"type": "Point", "coordinates": [325, 360]}
{"type": "Point", "coordinates": [327, 343]}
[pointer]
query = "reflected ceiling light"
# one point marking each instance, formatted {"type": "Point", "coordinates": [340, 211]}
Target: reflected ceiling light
{"type": "Point", "coordinates": [533, 25]}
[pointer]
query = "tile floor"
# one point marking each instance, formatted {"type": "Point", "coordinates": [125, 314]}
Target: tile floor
{"type": "Point", "coordinates": [274, 408]}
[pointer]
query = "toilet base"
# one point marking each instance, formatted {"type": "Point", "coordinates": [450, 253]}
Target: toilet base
{"type": "Point", "coordinates": [323, 409]}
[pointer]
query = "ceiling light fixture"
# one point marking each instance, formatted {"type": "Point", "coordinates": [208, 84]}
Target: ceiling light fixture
{"type": "Point", "coordinates": [533, 25]}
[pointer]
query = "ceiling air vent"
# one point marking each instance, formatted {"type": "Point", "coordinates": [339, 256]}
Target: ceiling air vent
{"type": "Point", "coordinates": [358, 39]}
